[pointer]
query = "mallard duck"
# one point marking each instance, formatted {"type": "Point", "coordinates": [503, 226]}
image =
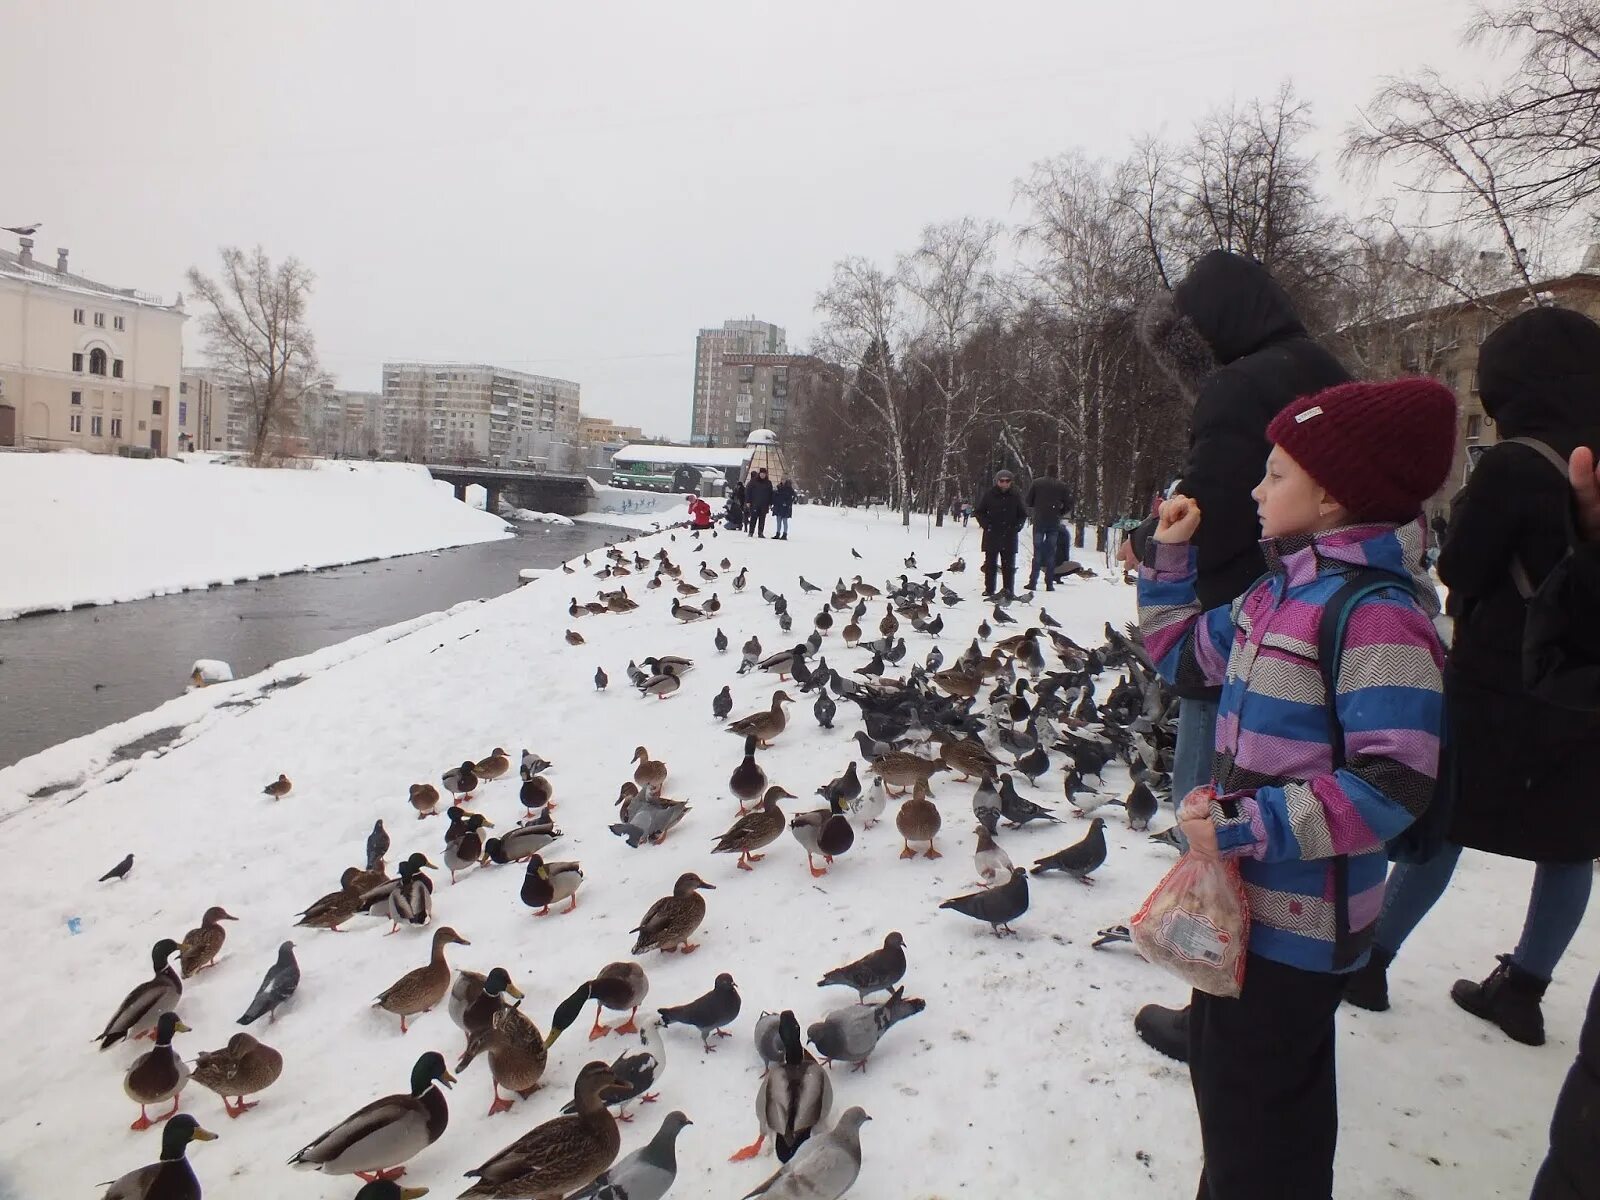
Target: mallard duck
{"type": "Point", "coordinates": [335, 908]}
{"type": "Point", "coordinates": [526, 840]}
{"type": "Point", "coordinates": [425, 799]}
{"type": "Point", "coordinates": [669, 664]}
{"type": "Point", "coordinates": [638, 1070]}
{"type": "Point", "coordinates": [561, 1155]}
{"type": "Point", "coordinates": [480, 1008]}
{"type": "Point", "coordinates": [407, 900]}
{"type": "Point", "coordinates": [201, 946]}
{"type": "Point", "coordinates": [672, 920]}
{"type": "Point", "coordinates": [650, 772]}
{"type": "Point", "coordinates": [904, 769]}
{"type": "Point", "coordinates": [618, 986]}
{"type": "Point", "coordinates": [574, 638]}
{"type": "Point", "coordinates": [758, 828]}
{"type": "Point", "coordinates": [685, 612]}
{"type": "Point", "coordinates": [172, 1178]}
{"type": "Point", "coordinates": [537, 792]}
{"type": "Point", "coordinates": [824, 831]}
{"type": "Point", "coordinates": [851, 633]}
{"type": "Point", "coordinates": [158, 1074]}
{"type": "Point", "coordinates": [888, 624]}
{"type": "Point", "coordinates": [794, 1096]}
{"type": "Point", "coordinates": [748, 780]}
{"type": "Point", "coordinates": [685, 588]}
{"type": "Point", "coordinates": [968, 756]}
{"type": "Point", "coordinates": [463, 844]}
{"type": "Point", "coordinates": [550, 883]}
{"type": "Point", "coordinates": [242, 1068]}
{"type": "Point", "coordinates": [660, 686]}
{"type": "Point", "coordinates": [375, 1141]}
{"type": "Point", "coordinates": [918, 821]}
{"type": "Point", "coordinates": [764, 725]}
{"type": "Point", "coordinates": [461, 781]}
{"type": "Point", "coordinates": [419, 990]}
{"type": "Point", "coordinates": [495, 765]}
{"type": "Point", "coordinates": [961, 684]}
{"type": "Point", "coordinates": [517, 1055]}
{"type": "Point", "coordinates": [142, 1007]}
{"type": "Point", "coordinates": [782, 663]}
{"type": "Point", "coordinates": [278, 788]}
{"type": "Point", "coordinates": [364, 881]}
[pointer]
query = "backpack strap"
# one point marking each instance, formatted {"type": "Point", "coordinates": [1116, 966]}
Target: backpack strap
{"type": "Point", "coordinates": [1519, 573]}
{"type": "Point", "coordinates": [1359, 583]}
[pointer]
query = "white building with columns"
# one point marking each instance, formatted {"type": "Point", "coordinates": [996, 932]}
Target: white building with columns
{"type": "Point", "coordinates": [84, 365]}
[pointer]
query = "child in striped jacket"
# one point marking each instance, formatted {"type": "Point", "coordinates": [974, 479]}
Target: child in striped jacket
{"type": "Point", "coordinates": [1306, 787]}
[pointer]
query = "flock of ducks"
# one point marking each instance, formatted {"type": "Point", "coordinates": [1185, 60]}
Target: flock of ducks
{"type": "Point", "coordinates": [988, 716]}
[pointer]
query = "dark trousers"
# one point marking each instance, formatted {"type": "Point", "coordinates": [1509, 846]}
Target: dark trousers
{"type": "Point", "coordinates": [756, 522]}
{"type": "Point", "coordinates": [1000, 554]}
{"type": "Point", "coordinates": [1262, 1066]}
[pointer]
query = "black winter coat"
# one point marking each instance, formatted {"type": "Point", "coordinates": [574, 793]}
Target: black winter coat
{"type": "Point", "coordinates": [1002, 516]}
{"type": "Point", "coordinates": [783, 500]}
{"type": "Point", "coordinates": [1571, 1171]}
{"type": "Point", "coordinates": [1049, 500]}
{"type": "Point", "coordinates": [1230, 338]}
{"type": "Point", "coordinates": [1529, 772]}
{"type": "Point", "coordinates": [758, 493]}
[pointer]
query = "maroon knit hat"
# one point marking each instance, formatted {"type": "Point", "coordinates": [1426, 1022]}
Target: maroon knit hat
{"type": "Point", "coordinates": [1380, 449]}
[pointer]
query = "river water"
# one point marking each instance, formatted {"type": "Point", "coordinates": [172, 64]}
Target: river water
{"type": "Point", "coordinates": [66, 674]}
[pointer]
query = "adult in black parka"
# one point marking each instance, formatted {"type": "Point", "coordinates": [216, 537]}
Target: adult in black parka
{"type": "Point", "coordinates": [758, 496]}
{"type": "Point", "coordinates": [1001, 515]}
{"type": "Point", "coordinates": [1527, 773]}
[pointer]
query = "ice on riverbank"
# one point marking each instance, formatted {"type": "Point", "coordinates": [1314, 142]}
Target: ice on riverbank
{"type": "Point", "coordinates": [90, 529]}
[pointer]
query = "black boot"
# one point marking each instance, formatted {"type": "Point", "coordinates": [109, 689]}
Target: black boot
{"type": "Point", "coordinates": [988, 583]}
{"type": "Point", "coordinates": [1368, 988]}
{"type": "Point", "coordinates": [1011, 585]}
{"type": "Point", "coordinates": [1165, 1030]}
{"type": "Point", "coordinates": [1509, 998]}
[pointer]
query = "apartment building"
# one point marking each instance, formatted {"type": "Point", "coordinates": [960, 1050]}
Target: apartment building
{"type": "Point", "coordinates": [713, 402]}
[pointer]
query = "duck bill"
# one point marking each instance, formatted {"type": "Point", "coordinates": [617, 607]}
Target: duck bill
{"type": "Point", "coordinates": [412, 1193]}
{"type": "Point", "coordinates": [447, 1079]}
{"type": "Point", "coordinates": [204, 1135]}
{"type": "Point", "coordinates": [514, 990]}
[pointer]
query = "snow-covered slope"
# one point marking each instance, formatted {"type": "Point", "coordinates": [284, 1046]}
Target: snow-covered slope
{"type": "Point", "coordinates": [1022, 1078]}
{"type": "Point", "coordinates": [89, 529]}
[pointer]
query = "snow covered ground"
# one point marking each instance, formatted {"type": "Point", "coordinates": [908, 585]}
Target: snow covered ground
{"type": "Point", "coordinates": [90, 529]}
{"type": "Point", "coordinates": [1023, 1077]}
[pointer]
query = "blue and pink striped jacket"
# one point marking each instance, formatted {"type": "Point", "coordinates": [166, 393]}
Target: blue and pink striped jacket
{"type": "Point", "coordinates": [1281, 808]}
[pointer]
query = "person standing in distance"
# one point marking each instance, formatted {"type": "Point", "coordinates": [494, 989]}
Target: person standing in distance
{"type": "Point", "coordinates": [758, 495]}
{"type": "Point", "coordinates": [1049, 500]}
{"type": "Point", "coordinates": [1232, 343]}
{"type": "Point", "coordinates": [782, 510]}
{"type": "Point", "coordinates": [1001, 516]}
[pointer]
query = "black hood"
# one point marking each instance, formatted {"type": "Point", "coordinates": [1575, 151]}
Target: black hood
{"type": "Point", "coordinates": [1539, 373]}
{"type": "Point", "coordinates": [1235, 305]}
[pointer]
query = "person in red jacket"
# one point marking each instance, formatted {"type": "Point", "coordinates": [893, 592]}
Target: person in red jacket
{"type": "Point", "coordinates": [699, 512]}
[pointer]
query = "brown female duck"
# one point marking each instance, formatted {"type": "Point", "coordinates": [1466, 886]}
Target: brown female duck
{"type": "Point", "coordinates": [754, 830]}
{"type": "Point", "coordinates": [201, 946]}
{"type": "Point", "coordinates": [517, 1054]}
{"type": "Point", "coordinates": [901, 769]}
{"type": "Point", "coordinates": [650, 772]}
{"type": "Point", "coordinates": [242, 1068]}
{"type": "Point", "coordinates": [332, 910]}
{"type": "Point", "coordinates": [672, 920]}
{"type": "Point", "coordinates": [418, 991]}
{"type": "Point", "coordinates": [767, 724]}
{"type": "Point", "coordinates": [918, 821]}
{"type": "Point", "coordinates": [562, 1155]}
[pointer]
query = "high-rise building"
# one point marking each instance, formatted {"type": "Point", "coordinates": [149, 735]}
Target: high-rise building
{"type": "Point", "coordinates": [760, 391]}
{"type": "Point", "coordinates": [453, 412]}
{"type": "Point", "coordinates": [713, 404]}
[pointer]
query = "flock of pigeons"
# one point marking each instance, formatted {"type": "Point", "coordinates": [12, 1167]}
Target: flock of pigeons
{"type": "Point", "coordinates": [1021, 699]}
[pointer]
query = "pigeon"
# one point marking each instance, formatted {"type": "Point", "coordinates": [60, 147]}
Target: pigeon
{"type": "Point", "coordinates": [377, 845]}
{"type": "Point", "coordinates": [600, 679]}
{"type": "Point", "coordinates": [720, 641]}
{"type": "Point", "coordinates": [993, 864]}
{"type": "Point", "coordinates": [999, 906]}
{"type": "Point", "coordinates": [870, 806]}
{"type": "Point", "coordinates": [1018, 810]}
{"type": "Point", "coordinates": [1080, 859]}
{"type": "Point", "coordinates": [768, 596]}
{"type": "Point", "coordinates": [845, 788]}
{"type": "Point", "coordinates": [33, 228]}
{"type": "Point", "coordinates": [277, 985]}
{"type": "Point", "coordinates": [911, 562]}
{"type": "Point", "coordinates": [780, 605]}
{"type": "Point", "coordinates": [984, 630]}
{"type": "Point", "coordinates": [823, 620]}
{"type": "Point", "coordinates": [1033, 764]}
{"type": "Point", "coordinates": [785, 621]}
{"type": "Point", "coordinates": [1109, 935]}
{"type": "Point", "coordinates": [935, 627]}
{"type": "Point", "coordinates": [851, 1034]}
{"type": "Point", "coordinates": [808, 587]}
{"type": "Point", "coordinates": [1001, 617]}
{"type": "Point", "coordinates": [709, 1013]}
{"type": "Point", "coordinates": [533, 765]}
{"type": "Point", "coordinates": [120, 871]}
{"type": "Point", "coordinates": [825, 1168]}
{"type": "Point", "coordinates": [853, 551]}
{"type": "Point", "coordinates": [638, 1071]}
{"type": "Point", "coordinates": [751, 654]}
{"type": "Point", "coordinates": [876, 971]}
{"type": "Point", "coordinates": [1141, 804]}
{"type": "Point", "coordinates": [871, 749]}
{"type": "Point", "coordinates": [722, 704]}
{"type": "Point", "coordinates": [1168, 837]}
{"type": "Point", "coordinates": [934, 661]}
{"type": "Point", "coordinates": [635, 675]}
{"type": "Point", "coordinates": [875, 667]}
{"type": "Point", "coordinates": [646, 1174]}
{"type": "Point", "coordinates": [824, 709]}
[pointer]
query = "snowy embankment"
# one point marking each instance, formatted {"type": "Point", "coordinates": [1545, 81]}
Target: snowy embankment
{"type": "Point", "coordinates": [1023, 1077]}
{"type": "Point", "coordinates": [89, 529]}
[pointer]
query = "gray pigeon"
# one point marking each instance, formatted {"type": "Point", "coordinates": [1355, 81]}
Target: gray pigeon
{"type": "Point", "coordinates": [876, 971]}
{"type": "Point", "coordinates": [1142, 806]}
{"type": "Point", "coordinates": [769, 1045]}
{"type": "Point", "coordinates": [806, 586]}
{"type": "Point", "coordinates": [871, 750]}
{"type": "Point", "coordinates": [533, 765]}
{"type": "Point", "coordinates": [824, 709]}
{"type": "Point", "coordinates": [1018, 810]}
{"type": "Point", "coordinates": [1080, 859]}
{"type": "Point", "coordinates": [999, 906]}
{"type": "Point", "coordinates": [721, 643]}
{"type": "Point", "coordinates": [646, 1174]}
{"type": "Point", "coordinates": [1169, 837]}
{"type": "Point", "coordinates": [986, 804]}
{"type": "Point", "coordinates": [935, 660]}
{"type": "Point", "coordinates": [722, 704]}
{"type": "Point", "coordinates": [825, 1167]}
{"type": "Point", "coordinates": [120, 871]}
{"type": "Point", "coordinates": [710, 1012]}
{"type": "Point", "coordinates": [851, 1034]}
{"type": "Point", "coordinates": [750, 655]}
{"type": "Point", "coordinates": [377, 845]}
{"type": "Point", "coordinates": [785, 621]}
{"type": "Point", "coordinates": [600, 679]}
{"type": "Point", "coordinates": [279, 983]}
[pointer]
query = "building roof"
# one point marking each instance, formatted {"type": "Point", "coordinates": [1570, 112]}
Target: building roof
{"type": "Point", "coordinates": [695, 456]}
{"type": "Point", "coordinates": [12, 267]}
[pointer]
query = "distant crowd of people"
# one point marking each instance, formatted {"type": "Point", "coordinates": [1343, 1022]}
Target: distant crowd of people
{"type": "Point", "coordinates": [747, 505]}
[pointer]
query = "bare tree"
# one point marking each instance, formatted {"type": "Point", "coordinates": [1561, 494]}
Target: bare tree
{"type": "Point", "coordinates": [257, 333]}
{"type": "Point", "coordinates": [951, 276]}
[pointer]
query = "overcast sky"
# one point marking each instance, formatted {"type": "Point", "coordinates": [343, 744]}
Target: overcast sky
{"type": "Point", "coordinates": [574, 189]}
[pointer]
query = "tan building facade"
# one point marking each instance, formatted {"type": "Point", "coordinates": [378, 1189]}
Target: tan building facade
{"type": "Point", "coordinates": [471, 412]}
{"type": "Point", "coordinates": [84, 365]}
{"type": "Point", "coordinates": [713, 403]}
{"type": "Point", "coordinates": [603, 431]}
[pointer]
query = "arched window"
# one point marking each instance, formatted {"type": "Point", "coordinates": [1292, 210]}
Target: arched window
{"type": "Point", "coordinates": [97, 361]}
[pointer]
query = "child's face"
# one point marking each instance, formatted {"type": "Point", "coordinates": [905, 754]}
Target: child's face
{"type": "Point", "coordinates": [1289, 501]}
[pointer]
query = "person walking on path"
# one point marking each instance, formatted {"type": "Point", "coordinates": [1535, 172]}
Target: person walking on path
{"type": "Point", "coordinates": [1229, 338]}
{"type": "Point", "coordinates": [1001, 516]}
{"type": "Point", "coordinates": [1319, 764]}
{"type": "Point", "coordinates": [1049, 500]}
{"type": "Point", "coordinates": [758, 498]}
{"type": "Point", "coordinates": [782, 510]}
{"type": "Point", "coordinates": [1525, 774]}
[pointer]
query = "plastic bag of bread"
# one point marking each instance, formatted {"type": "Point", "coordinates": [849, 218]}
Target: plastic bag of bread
{"type": "Point", "coordinates": [1196, 924]}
